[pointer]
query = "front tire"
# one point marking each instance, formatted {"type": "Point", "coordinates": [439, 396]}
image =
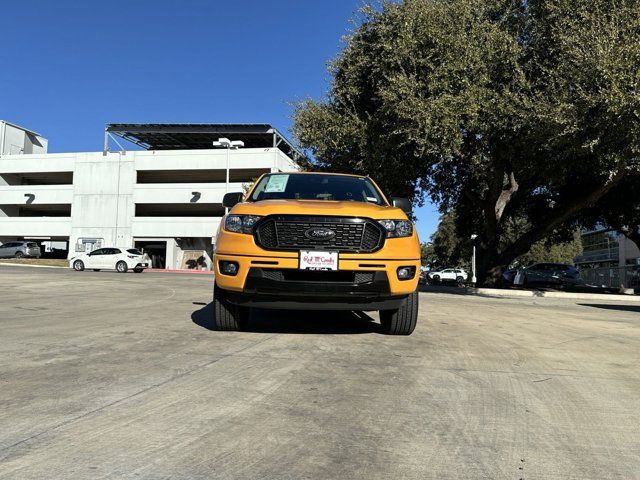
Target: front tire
{"type": "Point", "coordinates": [227, 316]}
{"type": "Point", "coordinates": [78, 265]}
{"type": "Point", "coordinates": [19, 254]}
{"type": "Point", "coordinates": [121, 267]}
{"type": "Point", "coordinates": [403, 320]}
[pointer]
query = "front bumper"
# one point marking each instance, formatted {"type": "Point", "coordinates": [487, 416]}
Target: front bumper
{"type": "Point", "coordinates": [320, 290]}
{"type": "Point", "coordinates": [256, 284]}
{"type": "Point", "coordinates": [245, 263]}
{"type": "Point", "coordinates": [242, 249]}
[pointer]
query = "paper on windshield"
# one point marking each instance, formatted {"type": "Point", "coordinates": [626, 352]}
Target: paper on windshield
{"type": "Point", "coordinates": [276, 184]}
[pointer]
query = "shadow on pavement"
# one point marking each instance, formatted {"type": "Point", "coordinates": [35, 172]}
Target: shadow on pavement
{"type": "Point", "coordinates": [624, 308]}
{"type": "Point", "coordinates": [296, 321]}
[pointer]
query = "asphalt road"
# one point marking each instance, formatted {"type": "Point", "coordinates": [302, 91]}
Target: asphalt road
{"type": "Point", "coordinates": [109, 376]}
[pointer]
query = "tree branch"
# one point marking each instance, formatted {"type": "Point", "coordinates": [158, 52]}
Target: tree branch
{"type": "Point", "coordinates": [522, 244]}
{"type": "Point", "coordinates": [504, 198]}
{"type": "Point", "coordinates": [498, 197]}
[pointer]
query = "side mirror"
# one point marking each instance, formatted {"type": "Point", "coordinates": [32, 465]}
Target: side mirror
{"type": "Point", "coordinates": [402, 203]}
{"type": "Point", "coordinates": [230, 199]}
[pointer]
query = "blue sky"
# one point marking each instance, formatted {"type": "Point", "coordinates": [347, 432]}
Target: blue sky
{"type": "Point", "coordinates": [71, 66]}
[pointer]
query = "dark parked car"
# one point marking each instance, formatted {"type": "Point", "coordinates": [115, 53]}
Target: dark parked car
{"type": "Point", "coordinates": [548, 274]}
{"type": "Point", "coordinates": [19, 250]}
{"type": "Point", "coordinates": [508, 276]}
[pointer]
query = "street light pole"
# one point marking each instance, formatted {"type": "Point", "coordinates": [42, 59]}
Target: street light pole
{"type": "Point", "coordinates": [226, 186]}
{"type": "Point", "coordinates": [473, 260]}
{"type": "Point", "coordinates": [228, 145]}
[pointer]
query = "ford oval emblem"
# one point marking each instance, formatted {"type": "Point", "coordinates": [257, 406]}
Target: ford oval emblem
{"type": "Point", "coordinates": [320, 233]}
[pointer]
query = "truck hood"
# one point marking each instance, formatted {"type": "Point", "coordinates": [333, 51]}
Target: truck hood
{"type": "Point", "coordinates": [318, 207]}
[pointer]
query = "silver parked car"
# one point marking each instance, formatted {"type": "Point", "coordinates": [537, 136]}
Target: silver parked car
{"type": "Point", "coordinates": [19, 250]}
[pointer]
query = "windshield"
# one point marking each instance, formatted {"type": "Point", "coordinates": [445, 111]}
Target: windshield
{"type": "Point", "coordinates": [297, 186]}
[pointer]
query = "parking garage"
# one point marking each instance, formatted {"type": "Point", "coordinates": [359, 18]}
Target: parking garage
{"type": "Point", "coordinates": [157, 187]}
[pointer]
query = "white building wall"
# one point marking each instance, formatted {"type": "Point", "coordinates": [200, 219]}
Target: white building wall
{"type": "Point", "coordinates": [41, 194]}
{"type": "Point", "coordinates": [15, 140]}
{"type": "Point", "coordinates": [104, 194]}
{"type": "Point", "coordinates": [628, 251]}
{"type": "Point", "coordinates": [14, 227]}
{"type": "Point", "coordinates": [102, 198]}
{"type": "Point", "coordinates": [50, 162]}
{"type": "Point", "coordinates": [182, 192]}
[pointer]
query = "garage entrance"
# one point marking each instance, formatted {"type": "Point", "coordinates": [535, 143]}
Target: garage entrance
{"type": "Point", "coordinates": [51, 247]}
{"type": "Point", "coordinates": [156, 249]}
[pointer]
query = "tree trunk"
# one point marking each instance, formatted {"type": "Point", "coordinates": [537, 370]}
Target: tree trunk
{"type": "Point", "coordinates": [491, 267]}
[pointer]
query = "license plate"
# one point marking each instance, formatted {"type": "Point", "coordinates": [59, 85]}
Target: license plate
{"type": "Point", "coordinates": [317, 260]}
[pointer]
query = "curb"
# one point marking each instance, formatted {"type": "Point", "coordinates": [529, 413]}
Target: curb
{"type": "Point", "coordinates": [493, 292]}
{"type": "Point", "coordinates": [9, 264]}
{"type": "Point", "coordinates": [182, 271]}
{"type": "Point", "coordinates": [149, 270]}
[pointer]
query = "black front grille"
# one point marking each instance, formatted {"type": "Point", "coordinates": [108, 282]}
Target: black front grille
{"type": "Point", "coordinates": [316, 284]}
{"type": "Point", "coordinates": [348, 234]}
{"type": "Point", "coordinates": [292, 275]}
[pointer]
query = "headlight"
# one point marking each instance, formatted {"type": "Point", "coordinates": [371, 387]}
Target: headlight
{"type": "Point", "coordinates": [397, 228]}
{"type": "Point", "coordinates": [240, 223]}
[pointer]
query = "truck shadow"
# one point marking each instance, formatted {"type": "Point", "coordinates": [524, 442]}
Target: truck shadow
{"type": "Point", "coordinates": [622, 308]}
{"type": "Point", "coordinates": [296, 321]}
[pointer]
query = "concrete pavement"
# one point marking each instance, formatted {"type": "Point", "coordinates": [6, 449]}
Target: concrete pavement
{"type": "Point", "coordinates": [110, 376]}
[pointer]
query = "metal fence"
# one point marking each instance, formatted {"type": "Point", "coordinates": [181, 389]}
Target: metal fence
{"type": "Point", "coordinates": [612, 277]}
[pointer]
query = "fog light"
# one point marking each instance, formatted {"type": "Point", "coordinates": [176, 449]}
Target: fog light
{"type": "Point", "coordinates": [229, 268]}
{"type": "Point", "coordinates": [406, 273]}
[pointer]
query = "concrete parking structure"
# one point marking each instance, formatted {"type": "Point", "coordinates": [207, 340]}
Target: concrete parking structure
{"type": "Point", "coordinates": [165, 200]}
{"type": "Point", "coordinates": [123, 376]}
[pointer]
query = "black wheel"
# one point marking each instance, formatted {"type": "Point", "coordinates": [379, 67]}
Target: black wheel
{"type": "Point", "coordinates": [459, 280]}
{"type": "Point", "coordinates": [436, 279]}
{"type": "Point", "coordinates": [121, 267]}
{"type": "Point", "coordinates": [19, 254]}
{"type": "Point", "coordinates": [227, 316]}
{"type": "Point", "coordinates": [138, 270]}
{"type": "Point", "coordinates": [96, 269]}
{"type": "Point", "coordinates": [78, 265]}
{"type": "Point", "coordinates": [403, 320]}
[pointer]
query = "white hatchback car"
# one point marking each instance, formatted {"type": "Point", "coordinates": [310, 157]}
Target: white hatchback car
{"type": "Point", "coordinates": [457, 275]}
{"type": "Point", "coordinates": [111, 258]}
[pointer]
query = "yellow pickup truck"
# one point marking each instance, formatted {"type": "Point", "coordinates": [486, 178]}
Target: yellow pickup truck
{"type": "Point", "coordinates": [316, 241]}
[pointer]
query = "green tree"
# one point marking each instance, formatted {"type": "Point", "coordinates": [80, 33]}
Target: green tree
{"type": "Point", "coordinates": [506, 110]}
{"type": "Point", "coordinates": [547, 251]}
{"type": "Point", "coordinates": [427, 255]}
{"type": "Point", "coordinates": [619, 209]}
{"type": "Point", "coordinates": [450, 248]}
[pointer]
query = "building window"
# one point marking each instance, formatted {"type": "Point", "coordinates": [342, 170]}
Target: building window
{"type": "Point", "coordinates": [600, 247]}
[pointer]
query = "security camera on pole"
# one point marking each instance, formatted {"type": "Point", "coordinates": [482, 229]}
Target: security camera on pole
{"type": "Point", "coordinates": [473, 260]}
{"type": "Point", "coordinates": [229, 145]}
